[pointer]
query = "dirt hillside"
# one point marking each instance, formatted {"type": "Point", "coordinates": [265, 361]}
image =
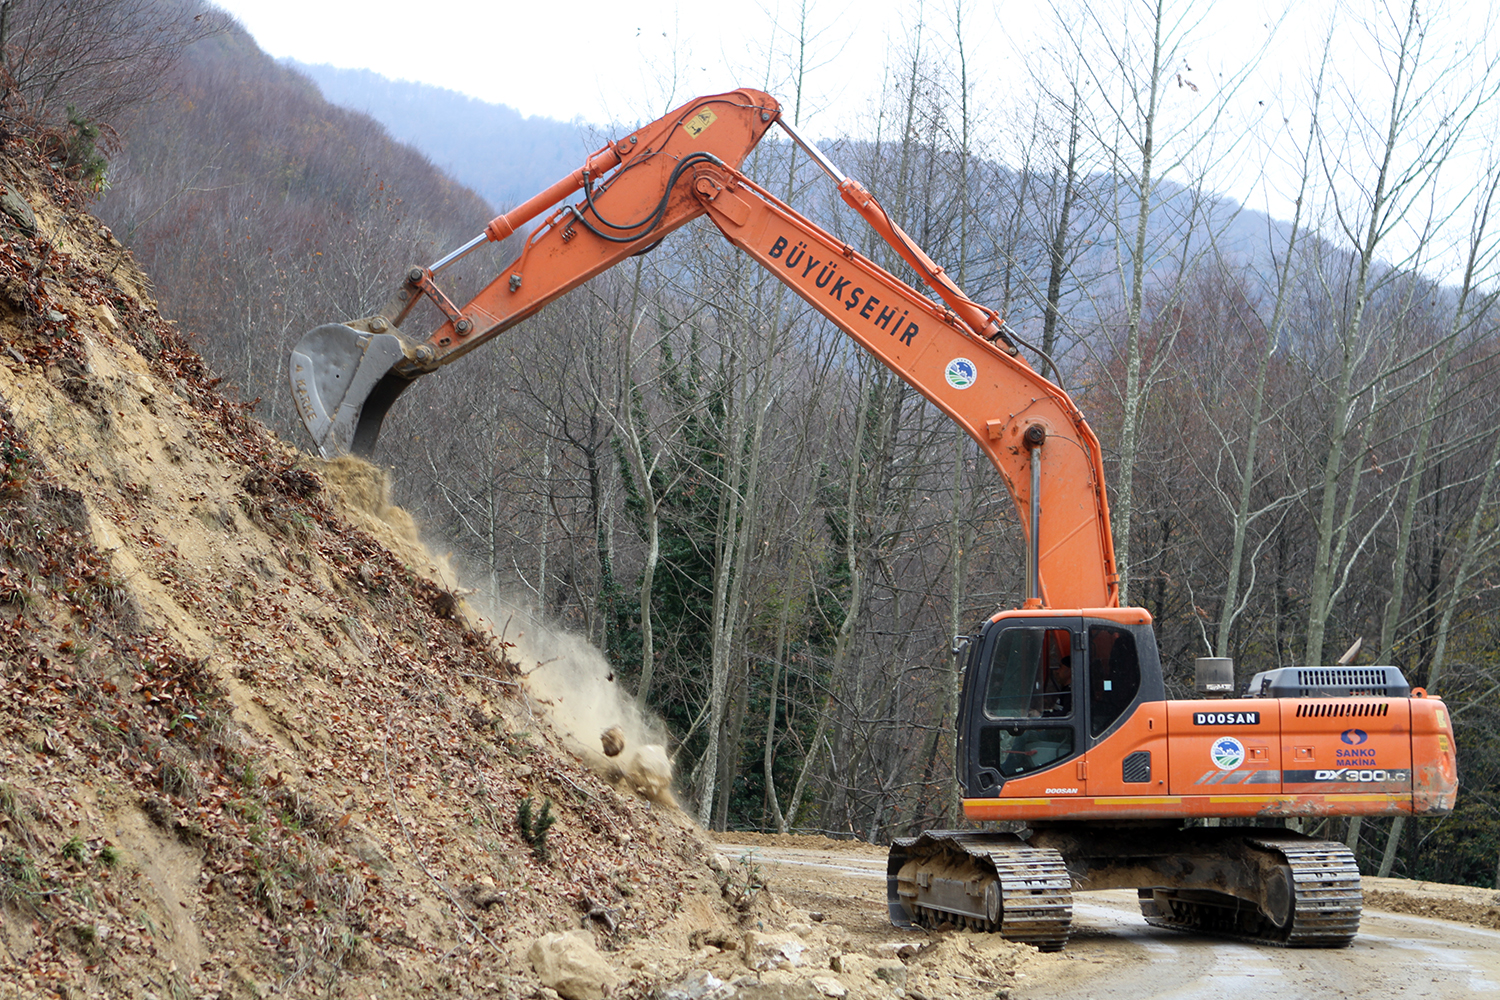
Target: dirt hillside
{"type": "Point", "coordinates": [250, 743]}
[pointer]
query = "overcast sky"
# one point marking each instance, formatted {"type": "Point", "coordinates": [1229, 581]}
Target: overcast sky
{"type": "Point", "coordinates": [624, 63]}
{"type": "Point", "coordinates": [605, 62]}
{"type": "Point", "coordinates": [597, 61]}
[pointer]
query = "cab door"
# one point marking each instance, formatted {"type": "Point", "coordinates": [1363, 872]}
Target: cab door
{"type": "Point", "coordinates": [1022, 716]}
{"type": "Point", "coordinates": [1127, 723]}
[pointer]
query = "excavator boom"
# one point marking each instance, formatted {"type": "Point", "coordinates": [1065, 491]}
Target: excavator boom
{"type": "Point", "coordinates": [996, 397]}
{"type": "Point", "coordinates": [345, 376]}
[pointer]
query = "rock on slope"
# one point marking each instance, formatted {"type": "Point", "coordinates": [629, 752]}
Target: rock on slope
{"type": "Point", "coordinates": [245, 748]}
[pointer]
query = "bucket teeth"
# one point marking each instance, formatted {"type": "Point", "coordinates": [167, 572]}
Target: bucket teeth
{"type": "Point", "coordinates": [343, 381]}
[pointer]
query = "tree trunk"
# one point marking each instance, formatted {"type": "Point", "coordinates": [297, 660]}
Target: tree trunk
{"type": "Point", "coordinates": [1124, 492]}
{"type": "Point", "coordinates": [1392, 843]}
{"type": "Point", "coordinates": [768, 748]}
{"type": "Point", "coordinates": [1320, 587]}
{"type": "Point", "coordinates": [726, 536]}
{"type": "Point", "coordinates": [545, 533]}
{"type": "Point", "coordinates": [1057, 247]}
{"type": "Point", "coordinates": [1480, 535]}
{"type": "Point", "coordinates": [960, 538]}
{"type": "Point", "coordinates": [1436, 393]}
{"type": "Point", "coordinates": [635, 456]}
{"type": "Point", "coordinates": [729, 756]}
{"type": "Point", "coordinates": [845, 632]}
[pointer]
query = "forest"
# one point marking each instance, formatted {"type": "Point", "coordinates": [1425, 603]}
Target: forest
{"type": "Point", "coordinates": [775, 540]}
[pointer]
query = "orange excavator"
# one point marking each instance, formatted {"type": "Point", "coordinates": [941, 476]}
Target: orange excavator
{"type": "Point", "coordinates": [1064, 726]}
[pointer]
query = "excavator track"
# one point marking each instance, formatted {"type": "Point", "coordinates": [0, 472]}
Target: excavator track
{"type": "Point", "coordinates": [989, 882]}
{"type": "Point", "coordinates": [1314, 895]}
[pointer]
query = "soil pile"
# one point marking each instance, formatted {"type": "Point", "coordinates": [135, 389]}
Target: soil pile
{"type": "Point", "coordinates": [1465, 903]}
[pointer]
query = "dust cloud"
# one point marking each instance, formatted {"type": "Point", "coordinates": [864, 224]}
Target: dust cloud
{"type": "Point", "coordinates": [584, 700]}
{"type": "Point", "coordinates": [570, 678]}
{"type": "Point", "coordinates": [576, 687]}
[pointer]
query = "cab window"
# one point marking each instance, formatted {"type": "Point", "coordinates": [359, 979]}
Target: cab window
{"type": "Point", "coordinates": [1031, 675]}
{"type": "Point", "coordinates": [1114, 675]}
{"type": "Point", "coordinates": [1014, 750]}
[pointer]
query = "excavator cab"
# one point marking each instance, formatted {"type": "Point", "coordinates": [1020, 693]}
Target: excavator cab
{"type": "Point", "coordinates": [1041, 690]}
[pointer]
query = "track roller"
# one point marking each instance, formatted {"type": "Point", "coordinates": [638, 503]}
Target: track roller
{"type": "Point", "coordinates": [1311, 898]}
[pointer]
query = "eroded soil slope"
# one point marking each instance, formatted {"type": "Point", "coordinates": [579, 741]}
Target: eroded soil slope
{"type": "Point", "coordinates": [244, 747]}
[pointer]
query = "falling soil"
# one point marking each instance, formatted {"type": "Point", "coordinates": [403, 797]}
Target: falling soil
{"type": "Point", "coordinates": [367, 488]}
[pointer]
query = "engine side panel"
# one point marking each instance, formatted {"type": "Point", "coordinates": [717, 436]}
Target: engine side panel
{"type": "Point", "coordinates": [1224, 747]}
{"type": "Point", "coordinates": [1346, 745]}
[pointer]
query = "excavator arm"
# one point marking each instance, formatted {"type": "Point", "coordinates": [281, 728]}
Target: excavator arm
{"type": "Point", "coordinates": [640, 188]}
{"type": "Point", "coordinates": [345, 376]}
{"type": "Point", "coordinates": [1023, 422]}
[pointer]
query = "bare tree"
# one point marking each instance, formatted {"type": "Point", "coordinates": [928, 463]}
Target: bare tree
{"type": "Point", "coordinates": [1287, 272]}
{"type": "Point", "coordinates": [1432, 103]}
{"type": "Point", "coordinates": [1147, 131]}
{"type": "Point", "coordinates": [1470, 309]}
{"type": "Point", "coordinates": [95, 57]}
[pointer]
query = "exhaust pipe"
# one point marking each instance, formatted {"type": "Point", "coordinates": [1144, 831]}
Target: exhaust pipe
{"type": "Point", "coordinates": [344, 380]}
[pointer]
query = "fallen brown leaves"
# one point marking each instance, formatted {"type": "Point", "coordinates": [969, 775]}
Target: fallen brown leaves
{"type": "Point", "coordinates": [313, 799]}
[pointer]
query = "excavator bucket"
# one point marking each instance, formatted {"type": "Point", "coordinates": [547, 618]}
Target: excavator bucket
{"type": "Point", "coordinates": [344, 382]}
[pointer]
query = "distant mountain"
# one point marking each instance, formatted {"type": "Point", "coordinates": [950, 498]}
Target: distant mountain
{"type": "Point", "coordinates": [494, 149]}
{"type": "Point", "coordinates": [261, 210]}
{"type": "Point", "coordinates": [508, 157]}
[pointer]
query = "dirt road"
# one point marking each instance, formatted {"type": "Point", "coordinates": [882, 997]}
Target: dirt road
{"type": "Point", "coordinates": [1114, 955]}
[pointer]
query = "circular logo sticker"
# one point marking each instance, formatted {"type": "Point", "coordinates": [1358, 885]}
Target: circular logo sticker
{"type": "Point", "coordinates": [961, 373]}
{"type": "Point", "coordinates": [1354, 737]}
{"type": "Point", "coordinates": [1228, 753]}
